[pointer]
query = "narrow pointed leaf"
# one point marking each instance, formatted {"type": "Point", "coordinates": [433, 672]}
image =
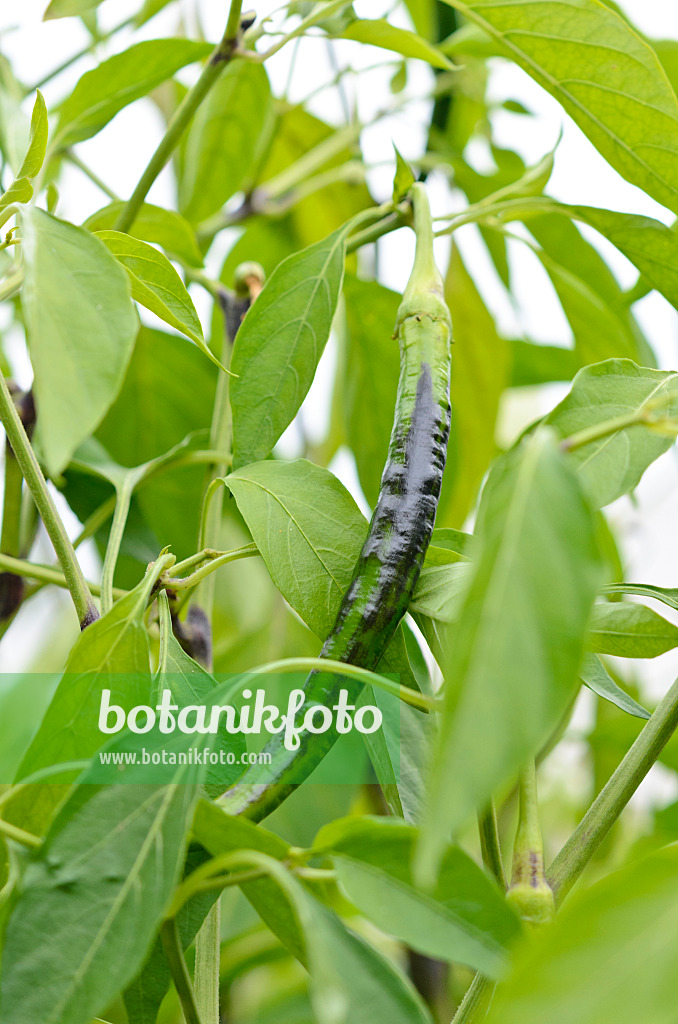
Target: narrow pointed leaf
{"type": "Point", "coordinates": [596, 677]}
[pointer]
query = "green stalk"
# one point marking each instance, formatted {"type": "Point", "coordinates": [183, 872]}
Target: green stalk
{"type": "Point", "coordinates": [476, 1002]}
{"type": "Point", "coordinates": [74, 159]}
{"type": "Point", "coordinates": [37, 485]}
{"type": "Point", "coordinates": [489, 844]}
{"type": "Point", "coordinates": [529, 893]}
{"type": "Point", "coordinates": [613, 798]}
{"type": "Point", "coordinates": [45, 574]}
{"type": "Point", "coordinates": [171, 944]}
{"type": "Point", "coordinates": [123, 499]}
{"type": "Point", "coordinates": [220, 57]}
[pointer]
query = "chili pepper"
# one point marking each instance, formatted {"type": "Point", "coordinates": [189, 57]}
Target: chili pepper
{"type": "Point", "coordinates": [400, 530]}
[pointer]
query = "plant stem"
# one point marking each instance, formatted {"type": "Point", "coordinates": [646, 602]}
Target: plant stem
{"type": "Point", "coordinates": [220, 57]}
{"type": "Point", "coordinates": [326, 11]}
{"type": "Point", "coordinates": [171, 944]}
{"type": "Point", "coordinates": [19, 835]}
{"type": "Point", "coordinates": [392, 221]}
{"type": "Point", "coordinates": [613, 798]}
{"type": "Point", "coordinates": [45, 574]}
{"type": "Point", "coordinates": [207, 964]}
{"type": "Point", "coordinates": [11, 285]}
{"type": "Point", "coordinates": [476, 1002]}
{"type": "Point", "coordinates": [77, 56]}
{"type": "Point", "coordinates": [74, 159]}
{"type": "Point", "coordinates": [221, 558]}
{"type": "Point", "coordinates": [123, 499]}
{"type": "Point", "coordinates": [489, 844]}
{"type": "Point", "coordinates": [37, 485]}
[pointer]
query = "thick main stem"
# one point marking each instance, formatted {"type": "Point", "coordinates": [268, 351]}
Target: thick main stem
{"type": "Point", "coordinates": [613, 798]}
{"type": "Point", "coordinates": [37, 485]}
{"type": "Point", "coordinates": [220, 57]}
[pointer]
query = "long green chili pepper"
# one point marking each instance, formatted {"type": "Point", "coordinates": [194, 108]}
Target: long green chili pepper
{"type": "Point", "coordinates": [391, 559]}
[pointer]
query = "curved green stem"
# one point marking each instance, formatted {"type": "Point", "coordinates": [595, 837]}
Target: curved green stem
{"type": "Point", "coordinates": [171, 944]}
{"type": "Point", "coordinates": [37, 485]}
{"type": "Point", "coordinates": [476, 1002]}
{"type": "Point", "coordinates": [123, 499]}
{"type": "Point", "coordinates": [216, 561]}
{"type": "Point", "coordinates": [46, 574]}
{"type": "Point", "coordinates": [489, 844]}
{"type": "Point", "coordinates": [613, 798]}
{"type": "Point", "coordinates": [220, 57]}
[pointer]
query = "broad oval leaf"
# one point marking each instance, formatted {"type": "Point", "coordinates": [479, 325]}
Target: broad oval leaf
{"type": "Point", "coordinates": [609, 955]}
{"type": "Point", "coordinates": [156, 285]}
{"type": "Point", "coordinates": [153, 224]}
{"type": "Point", "coordinates": [224, 139]}
{"type": "Point", "coordinates": [279, 345]}
{"type": "Point", "coordinates": [464, 919]}
{"type": "Point", "coordinates": [613, 464]}
{"type": "Point", "coordinates": [93, 898]}
{"type": "Point", "coordinates": [389, 37]}
{"type": "Point", "coordinates": [630, 631]}
{"type": "Point", "coordinates": [536, 573]}
{"type": "Point", "coordinates": [604, 75]}
{"type": "Point", "coordinates": [120, 80]}
{"type": "Point", "coordinates": [80, 326]}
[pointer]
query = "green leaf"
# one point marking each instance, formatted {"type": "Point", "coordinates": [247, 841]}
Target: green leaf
{"type": "Point", "coordinates": [481, 366]}
{"type": "Point", "coordinates": [613, 465]}
{"type": "Point", "coordinates": [310, 532]}
{"type": "Point", "coordinates": [668, 596]}
{"type": "Point", "coordinates": [156, 285]}
{"type": "Point", "coordinates": [602, 73]}
{"type": "Point", "coordinates": [389, 37]}
{"type": "Point", "coordinates": [154, 224]}
{"type": "Point", "coordinates": [536, 573]}
{"type": "Point", "coordinates": [112, 653]}
{"type": "Point", "coordinates": [596, 677]}
{"type": "Point", "coordinates": [67, 8]}
{"type": "Point", "coordinates": [465, 919]}
{"type": "Point", "coordinates": [279, 345]}
{"type": "Point", "coordinates": [538, 364]}
{"type": "Point", "coordinates": [120, 80]}
{"type": "Point", "coordinates": [93, 898]}
{"type": "Point", "coordinates": [37, 142]}
{"type": "Point", "coordinates": [630, 631]}
{"type": "Point", "coordinates": [308, 529]}
{"type": "Point", "coordinates": [647, 243]}
{"type": "Point", "coordinates": [439, 590]}
{"type": "Point", "coordinates": [609, 956]}
{"type": "Point", "coordinates": [587, 288]}
{"type": "Point", "coordinates": [21, 189]}
{"type": "Point", "coordinates": [370, 377]}
{"type": "Point", "coordinates": [81, 328]}
{"type": "Point", "coordinates": [224, 139]}
{"type": "Point", "coordinates": [404, 178]}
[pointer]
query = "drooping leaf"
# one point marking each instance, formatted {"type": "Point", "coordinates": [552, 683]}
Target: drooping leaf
{"type": "Point", "coordinates": [481, 365]}
{"type": "Point", "coordinates": [156, 285]}
{"type": "Point", "coordinates": [93, 898]}
{"type": "Point", "coordinates": [536, 572]}
{"type": "Point", "coordinates": [80, 326]}
{"type": "Point", "coordinates": [630, 631]}
{"type": "Point", "coordinates": [608, 956]}
{"type": "Point", "coordinates": [120, 80]}
{"type": "Point", "coordinates": [597, 678]}
{"type": "Point", "coordinates": [603, 74]}
{"type": "Point", "coordinates": [153, 224]}
{"type": "Point", "coordinates": [613, 464]}
{"type": "Point", "coordinates": [390, 37]}
{"type": "Point", "coordinates": [223, 140]}
{"type": "Point", "coordinates": [464, 919]}
{"type": "Point", "coordinates": [279, 344]}
{"type": "Point", "coordinates": [667, 595]}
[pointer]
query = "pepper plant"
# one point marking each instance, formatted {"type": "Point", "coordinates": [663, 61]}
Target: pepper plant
{"type": "Point", "coordinates": [427, 883]}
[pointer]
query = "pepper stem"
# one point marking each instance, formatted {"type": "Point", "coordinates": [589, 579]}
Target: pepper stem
{"type": "Point", "coordinates": [530, 893]}
{"type": "Point", "coordinates": [424, 294]}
